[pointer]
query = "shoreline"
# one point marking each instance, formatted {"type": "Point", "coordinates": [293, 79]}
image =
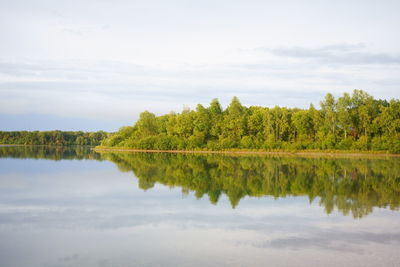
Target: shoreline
{"type": "Point", "coordinates": [303, 153]}
{"type": "Point", "coordinates": [335, 153]}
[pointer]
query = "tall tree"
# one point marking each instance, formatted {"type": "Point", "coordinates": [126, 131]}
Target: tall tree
{"type": "Point", "coordinates": [147, 124]}
{"type": "Point", "coordinates": [235, 120]}
{"type": "Point", "coordinates": [343, 112]}
{"type": "Point", "coordinates": [328, 110]}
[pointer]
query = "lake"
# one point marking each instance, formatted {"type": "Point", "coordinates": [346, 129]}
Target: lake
{"type": "Point", "coordinates": [75, 207]}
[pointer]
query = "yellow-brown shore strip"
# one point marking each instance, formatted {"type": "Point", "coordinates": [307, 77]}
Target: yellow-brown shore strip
{"type": "Point", "coordinates": [335, 153]}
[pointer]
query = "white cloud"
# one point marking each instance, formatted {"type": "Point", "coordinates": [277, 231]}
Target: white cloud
{"type": "Point", "coordinates": [109, 60]}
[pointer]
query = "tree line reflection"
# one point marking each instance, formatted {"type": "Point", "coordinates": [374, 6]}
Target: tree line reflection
{"type": "Point", "coordinates": [354, 186]}
{"type": "Point", "coordinates": [351, 185]}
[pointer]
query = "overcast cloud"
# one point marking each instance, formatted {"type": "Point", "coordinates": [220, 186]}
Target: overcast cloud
{"type": "Point", "coordinates": [100, 63]}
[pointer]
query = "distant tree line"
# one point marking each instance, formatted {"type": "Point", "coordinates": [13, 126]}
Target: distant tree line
{"type": "Point", "coordinates": [351, 122]}
{"type": "Point", "coordinates": [49, 152]}
{"type": "Point", "coordinates": [59, 138]}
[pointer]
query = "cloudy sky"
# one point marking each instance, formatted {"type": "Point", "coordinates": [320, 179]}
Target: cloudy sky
{"type": "Point", "coordinates": [96, 64]}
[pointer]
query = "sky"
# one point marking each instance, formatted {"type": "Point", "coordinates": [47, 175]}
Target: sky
{"type": "Point", "coordinates": [96, 64]}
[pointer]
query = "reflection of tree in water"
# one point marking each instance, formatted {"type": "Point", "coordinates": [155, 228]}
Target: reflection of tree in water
{"type": "Point", "coordinates": [353, 185]}
{"type": "Point", "coordinates": [49, 152]}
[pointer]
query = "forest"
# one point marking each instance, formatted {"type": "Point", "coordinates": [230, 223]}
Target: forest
{"type": "Point", "coordinates": [356, 122]}
{"type": "Point", "coordinates": [59, 138]}
{"type": "Point", "coordinates": [49, 152]}
{"type": "Point", "coordinates": [351, 185]}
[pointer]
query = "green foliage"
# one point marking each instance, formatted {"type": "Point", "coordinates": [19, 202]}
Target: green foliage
{"type": "Point", "coordinates": [247, 142]}
{"type": "Point", "coordinates": [361, 143]}
{"type": "Point", "coordinates": [49, 152]}
{"type": "Point", "coordinates": [356, 122]}
{"type": "Point", "coordinates": [59, 138]}
{"type": "Point", "coordinates": [147, 124]}
{"type": "Point", "coordinates": [346, 144]}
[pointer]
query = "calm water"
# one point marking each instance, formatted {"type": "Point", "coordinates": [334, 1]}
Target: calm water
{"type": "Point", "coordinates": [74, 207]}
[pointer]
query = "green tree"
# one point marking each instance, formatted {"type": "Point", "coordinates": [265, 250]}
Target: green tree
{"type": "Point", "coordinates": [234, 123]}
{"type": "Point", "coordinates": [344, 117]}
{"type": "Point", "coordinates": [328, 110]}
{"type": "Point", "coordinates": [147, 124]}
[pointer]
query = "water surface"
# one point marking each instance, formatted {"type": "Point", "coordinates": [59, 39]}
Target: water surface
{"type": "Point", "coordinates": [75, 207]}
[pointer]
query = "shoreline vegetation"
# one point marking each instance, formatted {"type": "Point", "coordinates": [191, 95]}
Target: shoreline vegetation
{"type": "Point", "coordinates": [317, 153]}
{"type": "Point", "coordinates": [353, 124]}
{"type": "Point", "coordinates": [56, 138]}
{"type": "Point", "coordinates": [50, 152]}
{"type": "Point", "coordinates": [311, 153]}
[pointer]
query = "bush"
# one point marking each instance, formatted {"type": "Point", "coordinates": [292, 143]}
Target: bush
{"type": "Point", "coordinates": [164, 143]}
{"type": "Point", "coordinates": [270, 143]}
{"type": "Point", "coordinates": [361, 144]}
{"type": "Point", "coordinates": [196, 141]}
{"type": "Point", "coordinates": [380, 143]}
{"type": "Point", "coordinates": [246, 142]}
{"type": "Point", "coordinates": [227, 142]}
{"type": "Point", "coordinates": [326, 141]}
{"type": "Point", "coordinates": [147, 142]}
{"type": "Point", "coordinates": [345, 144]}
{"type": "Point", "coordinates": [213, 145]}
{"type": "Point", "coordinates": [395, 145]}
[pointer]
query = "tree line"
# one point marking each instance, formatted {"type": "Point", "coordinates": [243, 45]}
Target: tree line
{"type": "Point", "coordinates": [351, 185]}
{"type": "Point", "coordinates": [50, 152]}
{"type": "Point", "coordinates": [354, 121]}
{"type": "Point", "coordinates": [59, 138]}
